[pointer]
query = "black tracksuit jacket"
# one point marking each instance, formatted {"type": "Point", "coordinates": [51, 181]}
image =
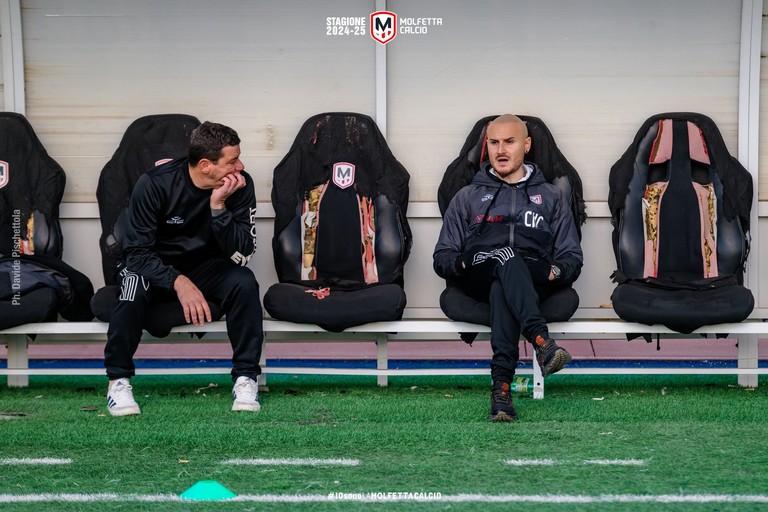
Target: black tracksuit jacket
{"type": "Point", "coordinates": [169, 228]}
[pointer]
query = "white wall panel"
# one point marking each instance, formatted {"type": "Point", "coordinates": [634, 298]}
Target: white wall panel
{"type": "Point", "coordinates": [2, 79]}
{"type": "Point", "coordinates": [592, 70]}
{"type": "Point", "coordinates": [763, 146]}
{"type": "Point", "coordinates": [93, 67]}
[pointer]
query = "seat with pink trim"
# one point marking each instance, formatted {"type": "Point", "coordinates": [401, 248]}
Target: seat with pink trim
{"type": "Point", "coordinates": [341, 236]}
{"type": "Point", "coordinates": [680, 210]}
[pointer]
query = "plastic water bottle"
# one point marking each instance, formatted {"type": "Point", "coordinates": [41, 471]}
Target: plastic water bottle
{"type": "Point", "coordinates": [522, 385]}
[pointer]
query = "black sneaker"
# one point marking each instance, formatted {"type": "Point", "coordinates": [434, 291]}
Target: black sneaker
{"type": "Point", "coordinates": [551, 358]}
{"type": "Point", "coordinates": [502, 407]}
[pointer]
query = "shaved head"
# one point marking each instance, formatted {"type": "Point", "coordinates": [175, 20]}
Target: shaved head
{"type": "Point", "coordinates": [510, 119]}
{"type": "Point", "coordinates": [508, 142]}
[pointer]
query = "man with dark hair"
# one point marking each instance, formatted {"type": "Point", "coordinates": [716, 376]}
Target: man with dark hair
{"type": "Point", "coordinates": [188, 234]}
{"type": "Point", "coordinates": [509, 238]}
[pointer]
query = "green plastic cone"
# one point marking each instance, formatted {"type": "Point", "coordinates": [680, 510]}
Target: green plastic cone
{"type": "Point", "coordinates": [207, 490]}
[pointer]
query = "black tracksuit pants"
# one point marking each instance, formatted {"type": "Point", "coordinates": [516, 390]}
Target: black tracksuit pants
{"type": "Point", "coordinates": [514, 299]}
{"type": "Point", "coordinates": [232, 286]}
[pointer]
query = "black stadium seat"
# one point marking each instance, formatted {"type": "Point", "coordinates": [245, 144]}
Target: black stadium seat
{"type": "Point", "coordinates": [35, 284]}
{"type": "Point", "coordinates": [680, 206]}
{"type": "Point", "coordinates": [341, 237]}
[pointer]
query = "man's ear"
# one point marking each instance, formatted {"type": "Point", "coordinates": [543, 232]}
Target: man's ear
{"type": "Point", "coordinates": [204, 165]}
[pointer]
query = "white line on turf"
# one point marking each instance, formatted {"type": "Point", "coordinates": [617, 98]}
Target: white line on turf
{"type": "Point", "coordinates": [616, 462]}
{"type": "Point", "coordinates": [552, 462]}
{"type": "Point", "coordinates": [43, 461]}
{"type": "Point", "coordinates": [292, 462]}
{"type": "Point", "coordinates": [85, 498]}
{"type": "Point", "coordinates": [405, 497]}
{"type": "Point", "coordinates": [530, 462]}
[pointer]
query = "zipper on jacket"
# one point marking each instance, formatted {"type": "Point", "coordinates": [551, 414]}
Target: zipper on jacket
{"type": "Point", "coordinates": [512, 219]}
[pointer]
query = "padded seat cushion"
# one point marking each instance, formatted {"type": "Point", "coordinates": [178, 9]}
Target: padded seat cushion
{"type": "Point", "coordinates": [337, 311]}
{"type": "Point", "coordinates": [682, 310]}
{"type": "Point", "coordinates": [39, 305]}
{"type": "Point", "coordinates": [161, 317]}
{"type": "Point", "coordinates": [559, 307]}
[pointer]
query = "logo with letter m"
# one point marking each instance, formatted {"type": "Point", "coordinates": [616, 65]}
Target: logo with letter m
{"type": "Point", "coordinates": [343, 174]}
{"type": "Point", "coordinates": [383, 26]}
{"type": "Point", "coordinates": [4, 173]}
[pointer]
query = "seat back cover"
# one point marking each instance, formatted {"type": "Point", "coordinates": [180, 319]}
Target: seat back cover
{"type": "Point", "coordinates": [673, 223]}
{"type": "Point", "coordinates": [680, 207]}
{"type": "Point", "coordinates": [31, 188]}
{"type": "Point", "coordinates": [148, 142]}
{"type": "Point", "coordinates": [340, 200]}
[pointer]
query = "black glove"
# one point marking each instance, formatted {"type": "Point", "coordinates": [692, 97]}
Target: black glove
{"type": "Point", "coordinates": [462, 263]}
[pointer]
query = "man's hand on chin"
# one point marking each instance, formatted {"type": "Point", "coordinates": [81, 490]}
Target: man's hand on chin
{"type": "Point", "coordinates": [229, 185]}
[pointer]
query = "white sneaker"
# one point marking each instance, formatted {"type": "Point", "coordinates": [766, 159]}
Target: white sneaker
{"type": "Point", "coordinates": [246, 392]}
{"type": "Point", "coordinates": [120, 400]}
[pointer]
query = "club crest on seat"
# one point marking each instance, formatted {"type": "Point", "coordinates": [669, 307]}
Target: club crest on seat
{"type": "Point", "coordinates": [343, 174]}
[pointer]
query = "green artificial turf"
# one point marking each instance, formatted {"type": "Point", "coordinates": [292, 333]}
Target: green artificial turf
{"type": "Point", "coordinates": [695, 435]}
